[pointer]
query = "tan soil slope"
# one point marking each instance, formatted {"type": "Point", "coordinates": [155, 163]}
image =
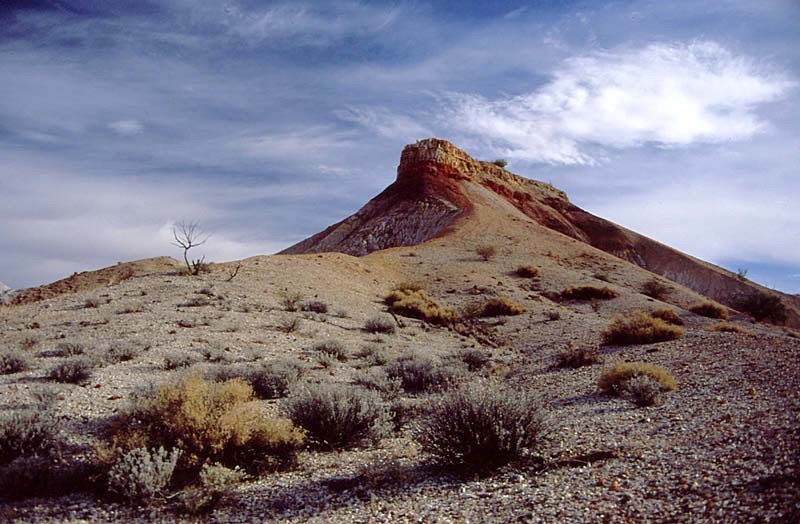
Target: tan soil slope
{"type": "Point", "coordinates": [431, 193]}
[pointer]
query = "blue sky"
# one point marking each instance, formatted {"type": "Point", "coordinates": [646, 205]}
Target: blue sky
{"type": "Point", "coordinates": [268, 121]}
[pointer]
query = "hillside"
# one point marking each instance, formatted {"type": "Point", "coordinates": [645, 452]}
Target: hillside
{"type": "Point", "coordinates": [721, 446]}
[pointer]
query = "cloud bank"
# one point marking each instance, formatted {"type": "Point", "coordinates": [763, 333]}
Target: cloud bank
{"type": "Point", "coordinates": [667, 95]}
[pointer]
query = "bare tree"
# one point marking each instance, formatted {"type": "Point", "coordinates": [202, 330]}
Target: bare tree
{"type": "Point", "coordinates": [188, 235]}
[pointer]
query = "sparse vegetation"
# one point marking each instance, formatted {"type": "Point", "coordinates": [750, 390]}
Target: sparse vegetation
{"type": "Point", "coordinates": [553, 315]}
{"type": "Point", "coordinates": [710, 309]}
{"type": "Point", "coordinates": [527, 272]}
{"type": "Point", "coordinates": [69, 349]}
{"type": "Point", "coordinates": [290, 300]}
{"type": "Point", "coordinates": [141, 474]}
{"type": "Point", "coordinates": [475, 359]}
{"type": "Point", "coordinates": [419, 373]}
{"type": "Point", "coordinates": [588, 293]}
{"type": "Point", "coordinates": [614, 380]}
{"type": "Point", "coordinates": [75, 370]}
{"type": "Point", "coordinates": [500, 162]}
{"type": "Point", "coordinates": [188, 235]}
{"type": "Point", "coordinates": [289, 325]}
{"type": "Point", "coordinates": [502, 306]}
{"type": "Point", "coordinates": [13, 361]}
{"type": "Point", "coordinates": [639, 328]}
{"type": "Point", "coordinates": [481, 427]}
{"type": "Point", "coordinates": [333, 348]}
{"type": "Point", "coordinates": [216, 483]}
{"type": "Point", "coordinates": [380, 325]}
{"type": "Point", "coordinates": [727, 327]}
{"type": "Point", "coordinates": [270, 380]}
{"type": "Point", "coordinates": [122, 352]}
{"type": "Point", "coordinates": [376, 379]}
{"type": "Point", "coordinates": [91, 303]}
{"type": "Point", "coordinates": [337, 416]}
{"type": "Point", "coordinates": [314, 306]}
{"type": "Point", "coordinates": [644, 391]}
{"type": "Point", "coordinates": [667, 315]}
{"type": "Point", "coordinates": [178, 361]}
{"type": "Point", "coordinates": [655, 288]}
{"type": "Point", "coordinates": [741, 273]}
{"type": "Point", "coordinates": [576, 357]}
{"type": "Point", "coordinates": [417, 304]}
{"type": "Point", "coordinates": [486, 252]}
{"type": "Point", "coordinates": [209, 422]}
{"type": "Point", "coordinates": [763, 306]}
{"type": "Point", "coordinates": [26, 433]}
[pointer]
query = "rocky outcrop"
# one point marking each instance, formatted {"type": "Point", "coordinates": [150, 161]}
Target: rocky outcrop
{"type": "Point", "coordinates": [429, 195]}
{"type": "Point", "coordinates": [5, 293]}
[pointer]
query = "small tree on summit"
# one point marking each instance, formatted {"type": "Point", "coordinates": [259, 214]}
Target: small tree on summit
{"type": "Point", "coordinates": [188, 235]}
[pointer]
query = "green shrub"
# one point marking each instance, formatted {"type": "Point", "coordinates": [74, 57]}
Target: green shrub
{"type": "Point", "coordinates": [614, 380]}
{"type": "Point", "coordinates": [588, 293]}
{"type": "Point", "coordinates": [420, 374]}
{"type": "Point", "coordinates": [270, 380]}
{"type": "Point", "coordinates": [639, 328]}
{"type": "Point", "coordinates": [709, 309]}
{"type": "Point", "coordinates": [76, 370]}
{"type": "Point", "coordinates": [763, 306]}
{"type": "Point", "coordinates": [481, 427]}
{"type": "Point", "coordinates": [216, 483]}
{"type": "Point", "coordinates": [337, 416]}
{"type": "Point", "coordinates": [380, 325]}
{"type": "Point", "coordinates": [209, 422]}
{"type": "Point", "coordinates": [25, 433]}
{"type": "Point", "coordinates": [13, 361]}
{"type": "Point", "coordinates": [141, 474]}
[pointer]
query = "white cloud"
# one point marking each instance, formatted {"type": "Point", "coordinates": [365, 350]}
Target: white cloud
{"type": "Point", "coordinates": [126, 127]}
{"type": "Point", "coordinates": [302, 144]}
{"type": "Point", "coordinates": [668, 95]}
{"type": "Point", "coordinates": [386, 123]}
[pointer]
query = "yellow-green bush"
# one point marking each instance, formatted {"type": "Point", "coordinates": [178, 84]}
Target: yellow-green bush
{"type": "Point", "coordinates": [727, 327]}
{"type": "Point", "coordinates": [502, 306]}
{"type": "Point", "coordinates": [614, 380]}
{"type": "Point", "coordinates": [639, 328]}
{"type": "Point", "coordinates": [208, 422]}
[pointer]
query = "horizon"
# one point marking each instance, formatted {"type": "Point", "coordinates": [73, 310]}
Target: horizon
{"type": "Point", "coordinates": [267, 122]}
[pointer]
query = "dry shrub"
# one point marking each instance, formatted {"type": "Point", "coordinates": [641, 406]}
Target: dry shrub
{"type": "Point", "coordinates": [654, 288]}
{"type": "Point", "coordinates": [576, 357]}
{"type": "Point", "coordinates": [209, 422]}
{"type": "Point", "coordinates": [644, 391]}
{"type": "Point", "coordinates": [614, 380]}
{"type": "Point", "coordinates": [421, 373]}
{"type": "Point", "coordinates": [333, 348]}
{"type": "Point", "coordinates": [13, 361]}
{"type": "Point", "coordinates": [290, 300]}
{"type": "Point", "coordinates": [481, 427]}
{"type": "Point", "coordinates": [314, 306]}
{"type": "Point", "coordinates": [76, 370]}
{"type": "Point", "coordinates": [727, 327]}
{"type": "Point", "coordinates": [486, 252]}
{"type": "Point", "coordinates": [667, 315]}
{"type": "Point", "coordinates": [408, 286]}
{"type": "Point", "coordinates": [502, 306]}
{"type": "Point", "coordinates": [69, 349]}
{"type": "Point", "coordinates": [289, 325]}
{"type": "Point", "coordinates": [710, 309]}
{"type": "Point", "coordinates": [639, 328]}
{"type": "Point", "coordinates": [338, 416]}
{"type": "Point", "coordinates": [527, 272]}
{"type": "Point", "coordinates": [475, 359]}
{"type": "Point", "coordinates": [380, 325]}
{"type": "Point", "coordinates": [25, 433]}
{"type": "Point", "coordinates": [417, 304]}
{"type": "Point", "coordinates": [588, 293]}
{"type": "Point", "coordinates": [763, 306]}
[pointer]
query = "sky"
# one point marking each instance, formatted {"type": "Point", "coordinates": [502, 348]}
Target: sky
{"type": "Point", "coordinates": [268, 121]}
